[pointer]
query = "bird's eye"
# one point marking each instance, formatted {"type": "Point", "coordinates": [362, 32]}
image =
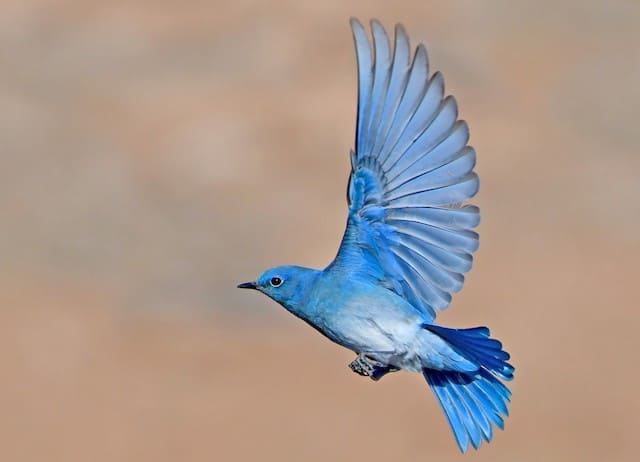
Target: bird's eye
{"type": "Point", "coordinates": [275, 282]}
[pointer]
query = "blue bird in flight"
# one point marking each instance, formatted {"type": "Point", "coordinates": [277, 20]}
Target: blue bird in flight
{"type": "Point", "coordinates": [409, 240]}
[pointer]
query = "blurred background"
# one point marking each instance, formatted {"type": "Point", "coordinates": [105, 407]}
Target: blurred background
{"type": "Point", "coordinates": [155, 154]}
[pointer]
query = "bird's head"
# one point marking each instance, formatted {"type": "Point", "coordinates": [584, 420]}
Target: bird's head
{"type": "Point", "coordinates": [286, 285]}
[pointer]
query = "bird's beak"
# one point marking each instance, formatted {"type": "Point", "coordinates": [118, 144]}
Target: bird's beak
{"type": "Point", "coordinates": [247, 285]}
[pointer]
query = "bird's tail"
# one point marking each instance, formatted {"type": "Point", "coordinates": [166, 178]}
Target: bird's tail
{"type": "Point", "coordinates": [473, 402]}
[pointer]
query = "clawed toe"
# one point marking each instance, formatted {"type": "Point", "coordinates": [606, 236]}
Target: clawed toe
{"type": "Point", "coordinates": [368, 367]}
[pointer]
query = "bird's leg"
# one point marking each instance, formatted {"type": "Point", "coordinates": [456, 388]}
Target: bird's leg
{"type": "Point", "coordinates": [369, 367]}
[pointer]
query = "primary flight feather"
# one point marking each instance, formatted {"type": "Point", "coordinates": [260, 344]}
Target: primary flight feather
{"type": "Point", "coordinates": [408, 242]}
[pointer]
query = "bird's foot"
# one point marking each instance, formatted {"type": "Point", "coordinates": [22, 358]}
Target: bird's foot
{"type": "Point", "coordinates": [368, 367]}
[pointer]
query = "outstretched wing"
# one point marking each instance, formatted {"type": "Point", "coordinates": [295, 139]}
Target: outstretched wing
{"type": "Point", "coordinates": [410, 172]}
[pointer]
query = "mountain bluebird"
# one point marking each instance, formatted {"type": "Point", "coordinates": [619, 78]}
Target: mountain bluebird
{"type": "Point", "coordinates": [408, 241]}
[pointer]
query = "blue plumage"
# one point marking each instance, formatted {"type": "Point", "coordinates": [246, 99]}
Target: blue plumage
{"type": "Point", "coordinates": [408, 242]}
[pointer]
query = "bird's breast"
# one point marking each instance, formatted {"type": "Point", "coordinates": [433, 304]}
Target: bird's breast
{"type": "Point", "coordinates": [366, 321]}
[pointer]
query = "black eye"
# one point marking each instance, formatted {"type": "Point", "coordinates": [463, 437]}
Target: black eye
{"type": "Point", "coordinates": [275, 282]}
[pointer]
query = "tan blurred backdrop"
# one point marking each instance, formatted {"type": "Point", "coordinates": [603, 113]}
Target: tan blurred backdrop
{"type": "Point", "coordinates": [155, 154]}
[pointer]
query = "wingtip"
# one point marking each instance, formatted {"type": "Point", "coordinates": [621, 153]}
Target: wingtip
{"type": "Point", "coordinates": [377, 28]}
{"type": "Point", "coordinates": [421, 57]}
{"type": "Point", "coordinates": [402, 45]}
{"type": "Point", "coordinates": [451, 100]}
{"type": "Point", "coordinates": [358, 31]}
{"type": "Point", "coordinates": [373, 22]}
{"type": "Point", "coordinates": [437, 79]}
{"type": "Point", "coordinates": [381, 43]}
{"type": "Point", "coordinates": [401, 31]}
{"type": "Point", "coordinates": [355, 22]}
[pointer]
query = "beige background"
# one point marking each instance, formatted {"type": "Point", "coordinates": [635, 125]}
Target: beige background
{"type": "Point", "coordinates": [155, 154]}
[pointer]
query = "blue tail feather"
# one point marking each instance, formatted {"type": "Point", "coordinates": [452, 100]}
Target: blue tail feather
{"type": "Point", "coordinates": [486, 403]}
{"type": "Point", "coordinates": [473, 402]}
{"type": "Point", "coordinates": [448, 405]}
{"type": "Point", "coordinates": [475, 345]}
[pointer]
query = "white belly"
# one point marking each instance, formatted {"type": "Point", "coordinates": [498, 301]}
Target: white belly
{"type": "Point", "coordinates": [373, 326]}
{"type": "Point", "coordinates": [392, 335]}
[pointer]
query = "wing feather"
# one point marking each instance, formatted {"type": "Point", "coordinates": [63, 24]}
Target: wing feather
{"type": "Point", "coordinates": [413, 93]}
{"type": "Point", "coordinates": [438, 177]}
{"type": "Point", "coordinates": [443, 152]}
{"type": "Point", "coordinates": [365, 80]}
{"type": "Point", "coordinates": [420, 120]}
{"type": "Point", "coordinates": [381, 76]}
{"type": "Point", "coordinates": [397, 85]}
{"type": "Point", "coordinates": [411, 172]}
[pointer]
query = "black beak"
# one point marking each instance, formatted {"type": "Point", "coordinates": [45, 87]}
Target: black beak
{"type": "Point", "coordinates": [247, 285]}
